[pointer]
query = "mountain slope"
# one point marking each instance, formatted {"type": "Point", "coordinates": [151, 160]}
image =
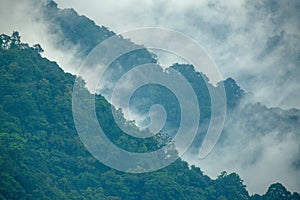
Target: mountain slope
{"type": "Point", "coordinates": [255, 126]}
{"type": "Point", "coordinates": [42, 156]}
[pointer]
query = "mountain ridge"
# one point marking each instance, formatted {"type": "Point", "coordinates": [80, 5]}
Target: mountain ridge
{"type": "Point", "coordinates": [44, 158]}
{"type": "Point", "coordinates": [58, 142]}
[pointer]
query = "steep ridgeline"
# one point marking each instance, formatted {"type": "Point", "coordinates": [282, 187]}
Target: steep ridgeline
{"type": "Point", "coordinates": [74, 29]}
{"type": "Point", "coordinates": [82, 32]}
{"type": "Point", "coordinates": [242, 122]}
{"type": "Point", "coordinates": [42, 156]}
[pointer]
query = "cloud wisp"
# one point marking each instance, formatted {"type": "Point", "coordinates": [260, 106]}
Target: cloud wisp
{"type": "Point", "coordinates": [255, 42]}
{"type": "Point", "coordinates": [261, 144]}
{"type": "Point", "coordinates": [25, 17]}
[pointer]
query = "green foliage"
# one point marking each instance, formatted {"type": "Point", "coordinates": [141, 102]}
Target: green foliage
{"type": "Point", "coordinates": [42, 156]}
{"type": "Point", "coordinates": [231, 186]}
{"type": "Point", "coordinates": [277, 191]}
{"type": "Point", "coordinates": [79, 30]}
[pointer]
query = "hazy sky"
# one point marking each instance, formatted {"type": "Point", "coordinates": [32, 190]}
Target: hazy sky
{"type": "Point", "coordinates": [255, 42]}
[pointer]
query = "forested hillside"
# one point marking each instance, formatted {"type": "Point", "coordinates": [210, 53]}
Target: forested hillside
{"type": "Point", "coordinates": [42, 156]}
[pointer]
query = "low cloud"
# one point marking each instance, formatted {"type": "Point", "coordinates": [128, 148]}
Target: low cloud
{"type": "Point", "coordinates": [25, 17]}
{"type": "Point", "coordinates": [243, 37]}
{"type": "Point", "coordinates": [260, 144]}
{"type": "Point", "coordinates": [255, 42]}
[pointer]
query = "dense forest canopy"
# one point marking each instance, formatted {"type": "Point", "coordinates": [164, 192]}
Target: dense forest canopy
{"type": "Point", "coordinates": [42, 156]}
